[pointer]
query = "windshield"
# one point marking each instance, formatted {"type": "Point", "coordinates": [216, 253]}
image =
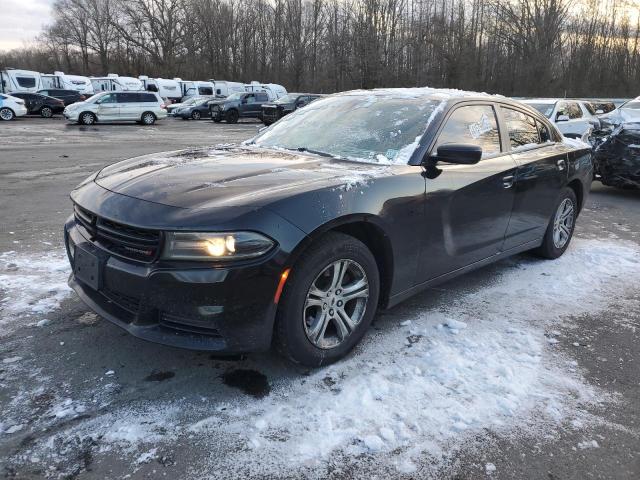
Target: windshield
{"type": "Point", "coordinates": [543, 108]}
{"type": "Point", "coordinates": [234, 96]}
{"type": "Point", "coordinates": [95, 97]}
{"type": "Point", "coordinates": [370, 128]}
{"type": "Point", "coordinates": [634, 105]}
{"type": "Point", "coordinates": [287, 99]}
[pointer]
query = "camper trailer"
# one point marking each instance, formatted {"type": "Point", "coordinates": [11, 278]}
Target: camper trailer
{"type": "Point", "coordinates": [223, 88]}
{"type": "Point", "coordinates": [165, 87]}
{"type": "Point", "coordinates": [273, 90]}
{"type": "Point", "coordinates": [13, 80]}
{"type": "Point", "coordinates": [59, 80]}
{"type": "Point", "coordinates": [191, 88]}
{"type": "Point", "coordinates": [115, 83]}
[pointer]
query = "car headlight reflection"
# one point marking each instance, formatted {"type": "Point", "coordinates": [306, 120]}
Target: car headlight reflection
{"type": "Point", "coordinates": [215, 246]}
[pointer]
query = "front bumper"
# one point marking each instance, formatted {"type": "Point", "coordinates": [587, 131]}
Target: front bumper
{"type": "Point", "coordinates": [226, 309]}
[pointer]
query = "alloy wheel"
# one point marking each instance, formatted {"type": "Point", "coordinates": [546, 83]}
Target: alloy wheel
{"type": "Point", "coordinates": [6, 114]}
{"type": "Point", "coordinates": [563, 223]}
{"type": "Point", "coordinates": [46, 112]}
{"type": "Point", "coordinates": [148, 119]}
{"type": "Point", "coordinates": [335, 303]}
{"type": "Point", "coordinates": [88, 119]}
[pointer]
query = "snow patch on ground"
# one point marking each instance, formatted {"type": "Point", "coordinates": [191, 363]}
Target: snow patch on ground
{"type": "Point", "coordinates": [31, 285]}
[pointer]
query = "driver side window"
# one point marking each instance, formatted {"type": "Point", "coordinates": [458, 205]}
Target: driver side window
{"type": "Point", "coordinates": [111, 98]}
{"type": "Point", "coordinates": [475, 125]}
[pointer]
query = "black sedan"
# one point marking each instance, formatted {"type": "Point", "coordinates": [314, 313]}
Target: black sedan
{"type": "Point", "coordinates": [298, 236]}
{"type": "Point", "coordinates": [195, 111]}
{"type": "Point", "coordinates": [67, 96]}
{"type": "Point", "coordinates": [272, 112]}
{"type": "Point", "coordinates": [40, 104]}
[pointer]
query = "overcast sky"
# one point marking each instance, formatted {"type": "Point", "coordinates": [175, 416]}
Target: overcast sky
{"type": "Point", "coordinates": [22, 20]}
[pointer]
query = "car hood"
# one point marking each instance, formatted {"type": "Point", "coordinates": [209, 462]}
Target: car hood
{"type": "Point", "coordinates": [230, 176]}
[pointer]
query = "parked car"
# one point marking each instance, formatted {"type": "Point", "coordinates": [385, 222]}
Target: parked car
{"type": "Point", "coordinates": [272, 112]}
{"type": "Point", "coordinates": [141, 107]}
{"type": "Point", "coordinates": [238, 105]}
{"type": "Point", "coordinates": [41, 105]}
{"type": "Point", "coordinates": [11, 107]}
{"type": "Point", "coordinates": [625, 113]}
{"type": "Point", "coordinates": [67, 96]}
{"type": "Point", "coordinates": [572, 117]}
{"type": "Point", "coordinates": [190, 101]}
{"type": "Point", "coordinates": [356, 202]}
{"type": "Point", "coordinates": [194, 111]}
{"type": "Point", "coordinates": [617, 157]}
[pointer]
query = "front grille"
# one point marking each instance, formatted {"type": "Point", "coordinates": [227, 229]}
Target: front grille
{"type": "Point", "coordinates": [123, 240]}
{"type": "Point", "coordinates": [127, 302]}
{"type": "Point", "coordinates": [186, 324]}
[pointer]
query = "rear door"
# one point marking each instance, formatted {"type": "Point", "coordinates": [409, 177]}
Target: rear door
{"type": "Point", "coordinates": [129, 103]}
{"type": "Point", "coordinates": [541, 173]}
{"type": "Point", "coordinates": [467, 207]}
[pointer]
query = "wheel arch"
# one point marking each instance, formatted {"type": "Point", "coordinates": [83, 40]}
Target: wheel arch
{"type": "Point", "coordinates": [578, 189]}
{"type": "Point", "coordinates": [369, 230]}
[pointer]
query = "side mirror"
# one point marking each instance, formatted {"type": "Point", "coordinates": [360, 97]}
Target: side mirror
{"type": "Point", "coordinates": [461, 153]}
{"type": "Point", "coordinates": [562, 118]}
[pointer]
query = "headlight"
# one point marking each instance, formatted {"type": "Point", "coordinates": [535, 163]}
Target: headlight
{"type": "Point", "coordinates": [215, 246]}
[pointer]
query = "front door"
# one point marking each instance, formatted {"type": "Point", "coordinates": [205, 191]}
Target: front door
{"type": "Point", "coordinates": [467, 207]}
{"type": "Point", "coordinates": [108, 107]}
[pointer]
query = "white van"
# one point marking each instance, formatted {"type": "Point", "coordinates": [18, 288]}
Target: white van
{"type": "Point", "coordinates": [192, 88]}
{"type": "Point", "coordinates": [13, 80]}
{"type": "Point", "coordinates": [141, 107]}
{"type": "Point", "coordinates": [115, 83]}
{"type": "Point", "coordinates": [165, 87]}
{"type": "Point", "coordinates": [273, 90]}
{"type": "Point", "coordinates": [59, 80]}
{"type": "Point", "coordinates": [224, 88]}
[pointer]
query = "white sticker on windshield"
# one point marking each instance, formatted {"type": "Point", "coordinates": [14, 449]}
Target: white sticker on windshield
{"type": "Point", "coordinates": [478, 128]}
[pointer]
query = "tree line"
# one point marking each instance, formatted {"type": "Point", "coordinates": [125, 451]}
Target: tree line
{"type": "Point", "coordinates": [512, 47]}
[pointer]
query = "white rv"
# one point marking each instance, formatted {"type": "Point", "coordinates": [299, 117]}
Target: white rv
{"type": "Point", "coordinates": [165, 87]}
{"type": "Point", "coordinates": [193, 88]}
{"type": "Point", "coordinates": [115, 83]}
{"type": "Point", "coordinates": [12, 80]}
{"type": "Point", "coordinates": [223, 88]}
{"type": "Point", "coordinates": [67, 82]}
{"type": "Point", "coordinates": [273, 90]}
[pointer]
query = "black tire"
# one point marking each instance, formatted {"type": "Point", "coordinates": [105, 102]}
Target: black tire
{"type": "Point", "coordinates": [46, 112]}
{"type": "Point", "coordinates": [148, 118]}
{"type": "Point", "coordinates": [196, 115]}
{"type": "Point", "coordinates": [550, 248]}
{"type": "Point", "coordinates": [87, 118]}
{"type": "Point", "coordinates": [217, 119]}
{"type": "Point", "coordinates": [6, 114]}
{"type": "Point", "coordinates": [290, 334]}
{"type": "Point", "coordinates": [232, 116]}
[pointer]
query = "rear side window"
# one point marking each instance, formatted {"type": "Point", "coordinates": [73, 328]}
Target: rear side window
{"type": "Point", "coordinates": [205, 90]}
{"type": "Point", "coordinates": [147, 98]}
{"type": "Point", "coordinates": [522, 128]}
{"type": "Point", "coordinates": [262, 97]}
{"type": "Point", "coordinates": [474, 125]}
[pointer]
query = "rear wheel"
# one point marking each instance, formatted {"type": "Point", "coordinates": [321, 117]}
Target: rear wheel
{"type": "Point", "coordinates": [196, 115]}
{"type": "Point", "coordinates": [232, 116]}
{"type": "Point", "coordinates": [328, 301]}
{"type": "Point", "coordinates": [148, 118]}
{"type": "Point", "coordinates": [46, 112]}
{"type": "Point", "coordinates": [6, 114]}
{"type": "Point", "coordinates": [561, 226]}
{"type": "Point", "coordinates": [87, 118]}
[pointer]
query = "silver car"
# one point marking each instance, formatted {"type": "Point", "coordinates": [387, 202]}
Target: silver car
{"type": "Point", "coordinates": [141, 107]}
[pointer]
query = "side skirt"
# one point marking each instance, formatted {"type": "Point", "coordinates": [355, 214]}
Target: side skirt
{"type": "Point", "coordinates": [402, 296]}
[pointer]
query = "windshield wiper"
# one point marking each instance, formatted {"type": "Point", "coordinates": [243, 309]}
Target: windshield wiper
{"type": "Point", "coordinates": [315, 152]}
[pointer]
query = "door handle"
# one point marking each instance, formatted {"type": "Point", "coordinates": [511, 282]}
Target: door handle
{"type": "Point", "coordinates": [562, 164]}
{"type": "Point", "coordinates": [507, 182]}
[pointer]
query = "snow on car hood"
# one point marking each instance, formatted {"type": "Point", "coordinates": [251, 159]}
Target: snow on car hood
{"type": "Point", "coordinates": [229, 176]}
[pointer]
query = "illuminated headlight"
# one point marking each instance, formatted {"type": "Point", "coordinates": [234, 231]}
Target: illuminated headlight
{"type": "Point", "coordinates": [215, 246]}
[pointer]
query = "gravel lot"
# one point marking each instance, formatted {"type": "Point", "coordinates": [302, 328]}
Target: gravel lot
{"type": "Point", "coordinates": [524, 369]}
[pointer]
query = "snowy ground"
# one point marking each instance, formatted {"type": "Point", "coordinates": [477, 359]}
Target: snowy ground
{"type": "Point", "coordinates": [524, 369]}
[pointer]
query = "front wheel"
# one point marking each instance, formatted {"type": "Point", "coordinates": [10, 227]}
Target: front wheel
{"type": "Point", "coordinates": [6, 114]}
{"type": "Point", "coordinates": [196, 115]}
{"type": "Point", "coordinates": [561, 226]}
{"type": "Point", "coordinates": [87, 118]}
{"type": "Point", "coordinates": [328, 302]}
{"type": "Point", "coordinates": [46, 112]}
{"type": "Point", "coordinates": [148, 118]}
{"type": "Point", "coordinates": [232, 116]}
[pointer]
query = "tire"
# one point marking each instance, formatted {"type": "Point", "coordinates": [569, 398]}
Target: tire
{"type": "Point", "coordinates": [6, 114]}
{"type": "Point", "coordinates": [196, 115]}
{"type": "Point", "coordinates": [87, 118]}
{"type": "Point", "coordinates": [557, 239]}
{"type": "Point", "coordinates": [295, 319]}
{"type": "Point", "coordinates": [46, 112]}
{"type": "Point", "coordinates": [148, 118]}
{"type": "Point", "coordinates": [217, 120]}
{"type": "Point", "coordinates": [232, 116]}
